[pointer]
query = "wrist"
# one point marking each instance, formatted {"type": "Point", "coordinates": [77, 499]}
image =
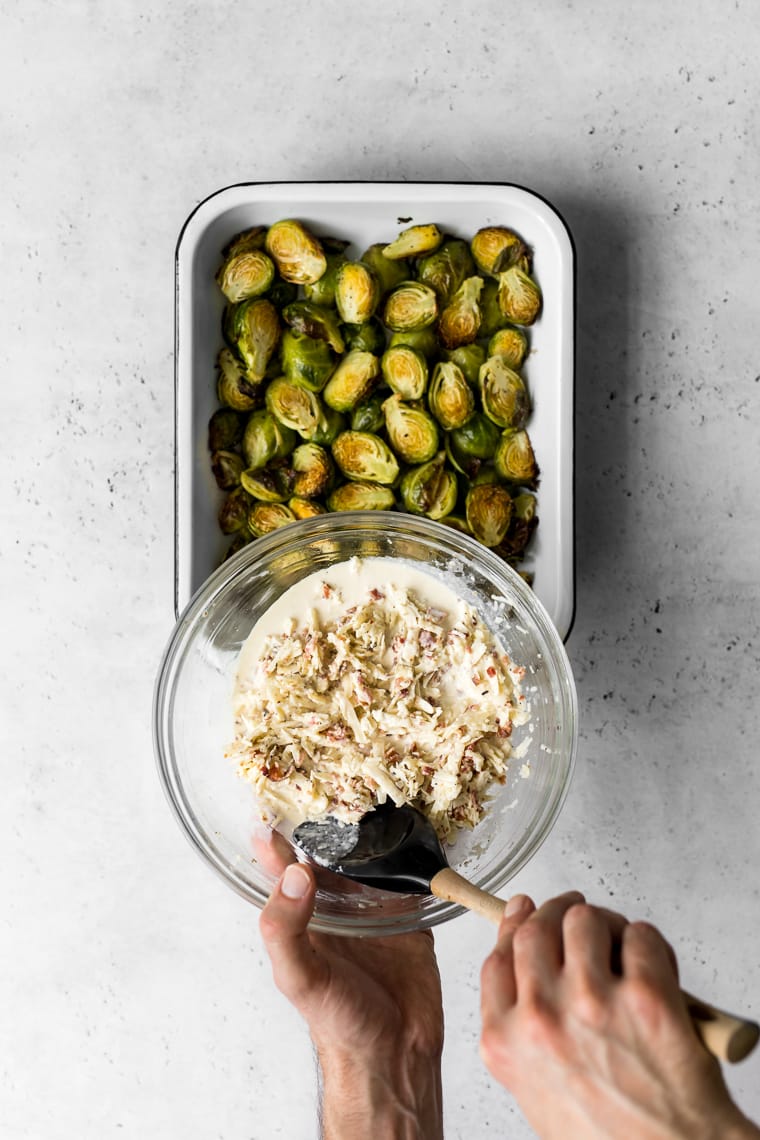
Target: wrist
{"type": "Point", "coordinates": [385, 1095]}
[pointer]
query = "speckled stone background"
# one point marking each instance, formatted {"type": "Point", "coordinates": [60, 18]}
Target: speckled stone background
{"type": "Point", "coordinates": [135, 995]}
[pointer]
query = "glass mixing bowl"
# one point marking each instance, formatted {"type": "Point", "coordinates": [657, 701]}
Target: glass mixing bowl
{"type": "Point", "coordinates": [193, 718]}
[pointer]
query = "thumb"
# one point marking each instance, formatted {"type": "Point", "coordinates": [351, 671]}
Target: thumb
{"type": "Point", "coordinates": [297, 967]}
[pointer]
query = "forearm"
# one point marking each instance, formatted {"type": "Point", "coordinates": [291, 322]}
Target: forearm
{"type": "Point", "coordinates": [385, 1098]}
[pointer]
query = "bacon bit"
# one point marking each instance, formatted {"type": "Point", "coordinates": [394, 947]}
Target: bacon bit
{"type": "Point", "coordinates": [274, 772]}
{"type": "Point", "coordinates": [336, 732]}
{"type": "Point", "coordinates": [376, 595]}
{"type": "Point", "coordinates": [476, 678]}
{"type": "Point", "coordinates": [327, 591]}
{"type": "Point", "coordinates": [427, 638]}
{"type": "Point", "coordinates": [504, 730]}
{"type": "Point", "coordinates": [490, 671]}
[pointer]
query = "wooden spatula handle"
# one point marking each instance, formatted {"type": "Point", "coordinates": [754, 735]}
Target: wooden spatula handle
{"type": "Point", "coordinates": [726, 1036]}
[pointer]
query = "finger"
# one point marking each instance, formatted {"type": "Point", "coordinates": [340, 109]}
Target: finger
{"type": "Point", "coordinates": [648, 957]}
{"type": "Point", "coordinates": [498, 992]}
{"type": "Point", "coordinates": [537, 946]}
{"type": "Point", "coordinates": [297, 968]}
{"type": "Point", "coordinates": [273, 851]}
{"type": "Point", "coordinates": [591, 939]}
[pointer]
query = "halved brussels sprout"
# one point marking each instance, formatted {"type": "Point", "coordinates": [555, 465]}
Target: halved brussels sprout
{"type": "Point", "coordinates": [245, 274]}
{"type": "Point", "coordinates": [410, 306]}
{"type": "Point", "coordinates": [491, 316]}
{"type": "Point", "coordinates": [430, 489]}
{"type": "Point", "coordinates": [519, 296]}
{"type": "Point", "coordinates": [255, 330]}
{"type": "Point", "coordinates": [514, 458]}
{"type": "Point", "coordinates": [486, 474]}
{"type": "Point", "coordinates": [369, 337]}
{"type": "Point", "coordinates": [495, 248]}
{"type": "Point", "coordinates": [293, 405]}
{"type": "Point", "coordinates": [388, 273]}
{"type": "Point", "coordinates": [524, 522]}
{"type": "Point", "coordinates": [241, 539]}
{"type": "Point", "coordinates": [460, 320]}
{"type": "Point", "coordinates": [322, 291]}
{"type": "Point", "coordinates": [456, 522]}
{"type": "Point", "coordinates": [263, 518]}
{"type": "Point", "coordinates": [297, 253]}
{"type": "Point", "coordinates": [510, 344]}
{"type": "Point", "coordinates": [405, 371]}
{"type": "Point", "coordinates": [252, 238]}
{"type": "Point", "coordinates": [226, 467]}
{"type": "Point", "coordinates": [469, 358]}
{"type": "Point", "coordinates": [423, 340]}
{"type": "Point", "coordinates": [314, 471]}
{"type": "Point", "coordinates": [364, 456]}
{"type": "Point", "coordinates": [233, 387]}
{"type": "Point", "coordinates": [369, 415]}
{"type": "Point", "coordinates": [266, 439]}
{"type": "Point", "coordinates": [352, 381]}
{"type": "Point", "coordinates": [282, 293]}
{"type": "Point", "coordinates": [413, 241]}
{"type": "Point", "coordinates": [233, 512]}
{"type": "Point", "coordinates": [305, 508]}
{"type": "Point", "coordinates": [524, 506]}
{"type": "Point", "coordinates": [412, 433]}
{"type": "Point", "coordinates": [225, 429]}
{"type": "Point", "coordinates": [272, 484]}
{"type": "Point", "coordinates": [450, 397]}
{"type": "Point", "coordinates": [503, 394]}
{"type": "Point", "coordinates": [357, 496]}
{"type": "Point", "coordinates": [306, 360]}
{"type": "Point", "coordinates": [488, 508]}
{"type": "Point", "coordinates": [330, 425]}
{"type": "Point", "coordinates": [357, 292]}
{"type": "Point", "coordinates": [315, 321]}
{"type": "Point", "coordinates": [447, 268]}
{"type": "Point", "coordinates": [471, 445]}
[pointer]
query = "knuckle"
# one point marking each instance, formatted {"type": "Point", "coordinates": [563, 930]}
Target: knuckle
{"type": "Point", "coordinates": [591, 1009]}
{"type": "Point", "coordinates": [529, 935]}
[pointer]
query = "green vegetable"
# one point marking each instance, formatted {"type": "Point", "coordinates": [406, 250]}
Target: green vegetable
{"type": "Point", "coordinates": [263, 518]}
{"type": "Point", "coordinates": [233, 512]}
{"type": "Point", "coordinates": [368, 415]}
{"type": "Point", "coordinates": [266, 439]}
{"type": "Point", "coordinates": [468, 358]}
{"type": "Point", "coordinates": [305, 508]}
{"type": "Point", "coordinates": [233, 387]}
{"type": "Point", "coordinates": [414, 241]}
{"type": "Point", "coordinates": [296, 252]}
{"type": "Point", "coordinates": [357, 292]}
{"type": "Point", "coordinates": [269, 484]}
{"type": "Point", "coordinates": [495, 248]}
{"type": "Point", "coordinates": [364, 456]}
{"type": "Point", "coordinates": [430, 489]}
{"type": "Point", "coordinates": [503, 394]}
{"type": "Point", "coordinates": [405, 371]}
{"type": "Point", "coordinates": [306, 360]}
{"type": "Point", "coordinates": [314, 471]}
{"type": "Point", "coordinates": [357, 496]}
{"type": "Point", "coordinates": [369, 337]}
{"type": "Point", "coordinates": [255, 332]}
{"type": "Point", "coordinates": [514, 458]}
{"type": "Point", "coordinates": [352, 381]}
{"type": "Point", "coordinates": [245, 274]}
{"type": "Point", "coordinates": [519, 296]}
{"type": "Point", "coordinates": [446, 269]}
{"type": "Point", "coordinates": [488, 508]}
{"type": "Point", "coordinates": [410, 306]}
{"type": "Point", "coordinates": [322, 291]}
{"type": "Point", "coordinates": [471, 445]}
{"type": "Point", "coordinates": [225, 429]}
{"type": "Point", "coordinates": [510, 344]}
{"type": "Point", "coordinates": [388, 273]}
{"type": "Point", "coordinates": [316, 321]}
{"type": "Point", "coordinates": [450, 397]}
{"type": "Point", "coordinates": [460, 320]}
{"type": "Point", "coordinates": [226, 467]}
{"type": "Point", "coordinates": [412, 433]}
{"type": "Point", "coordinates": [294, 406]}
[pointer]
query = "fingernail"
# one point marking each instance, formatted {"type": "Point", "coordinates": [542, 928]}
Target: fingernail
{"type": "Point", "coordinates": [295, 882]}
{"type": "Point", "coordinates": [516, 904]}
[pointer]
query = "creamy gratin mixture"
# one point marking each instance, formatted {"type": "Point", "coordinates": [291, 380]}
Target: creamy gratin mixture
{"type": "Point", "coordinates": [372, 680]}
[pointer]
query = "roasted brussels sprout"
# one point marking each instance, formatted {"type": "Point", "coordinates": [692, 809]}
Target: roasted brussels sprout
{"type": "Point", "coordinates": [413, 241]}
{"type": "Point", "coordinates": [294, 406]}
{"type": "Point", "coordinates": [314, 471]}
{"type": "Point", "coordinates": [252, 238]}
{"type": "Point", "coordinates": [272, 484]}
{"type": "Point", "coordinates": [241, 539]}
{"type": "Point", "coordinates": [430, 489]}
{"type": "Point", "coordinates": [514, 458]}
{"type": "Point", "coordinates": [306, 360]}
{"type": "Point", "coordinates": [491, 317]}
{"type": "Point", "coordinates": [488, 508]}
{"type": "Point", "coordinates": [405, 371]}
{"type": "Point", "coordinates": [369, 337]}
{"type": "Point", "coordinates": [369, 415]}
{"type": "Point", "coordinates": [357, 496]}
{"type": "Point", "coordinates": [471, 445]}
{"type": "Point", "coordinates": [469, 358]}
{"type": "Point", "coordinates": [305, 508]}
{"type": "Point", "coordinates": [524, 522]}
{"type": "Point", "coordinates": [322, 291]}
{"type": "Point", "coordinates": [282, 293]}
{"type": "Point", "coordinates": [263, 518]}
{"type": "Point", "coordinates": [255, 330]}
{"type": "Point", "coordinates": [233, 512]}
{"type": "Point", "coordinates": [519, 296]}
{"type": "Point", "coordinates": [266, 439]}
{"type": "Point", "coordinates": [352, 381]}
{"type": "Point", "coordinates": [316, 321]}
{"type": "Point", "coordinates": [423, 340]}
{"type": "Point", "coordinates": [446, 269]}
{"type": "Point", "coordinates": [357, 292]}
{"type": "Point", "coordinates": [296, 252]}
{"type": "Point", "coordinates": [225, 429]}
{"type": "Point", "coordinates": [226, 467]}
{"type": "Point", "coordinates": [456, 522]}
{"type": "Point", "coordinates": [410, 306]}
{"type": "Point", "coordinates": [363, 456]}
{"type": "Point", "coordinates": [450, 397]}
{"type": "Point", "coordinates": [524, 506]}
{"type": "Point", "coordinates": [503, 394]}
{"type": "Point", "coordinates": [413, 434]}
{"type": "Point", "coordinates": [233, 387]}
{"type": "Point", "coordinates": [245, 274]}
{"type": "Point", "coordinates": [495, 248]}
{"type": "Point", "coordinates": [510, 344]}
{"type": "Point", "coordinates": [388, 273]}
{"type": "Point", "coordinates": [330, 425]}
{"type": "Point", "coordinates": [460, 320]}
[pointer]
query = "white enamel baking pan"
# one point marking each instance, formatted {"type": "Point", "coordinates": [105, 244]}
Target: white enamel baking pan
{"type": "Point", "coordinates": [367, 212]}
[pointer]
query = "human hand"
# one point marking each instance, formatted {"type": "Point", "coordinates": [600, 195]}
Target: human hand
{"type": "Point", "coordinates": [374, 1011]}
{"type": "Point", "coordinates": [584, 1022]}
